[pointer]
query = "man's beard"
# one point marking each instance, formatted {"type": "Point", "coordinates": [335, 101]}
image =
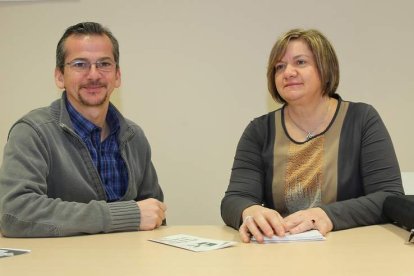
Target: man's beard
{"type": "Point", "coordinates": [85, 101]}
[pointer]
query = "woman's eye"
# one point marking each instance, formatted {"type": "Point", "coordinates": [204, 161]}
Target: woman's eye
{"type": "Point", "coordinates": [301, 62]}
{"type": "Point", "coordinates": [279, 67]}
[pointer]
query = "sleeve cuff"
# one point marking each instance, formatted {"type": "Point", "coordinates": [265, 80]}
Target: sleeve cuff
{"type": "Point", "coordinates": [125, 216]}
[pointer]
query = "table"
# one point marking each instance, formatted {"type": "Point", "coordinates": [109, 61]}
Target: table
{"type": "Point", "coordinates": [372, 250]}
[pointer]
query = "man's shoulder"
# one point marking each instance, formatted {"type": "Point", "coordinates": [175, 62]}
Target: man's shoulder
{"type": "Point", "coordinates": [125, 123]}
{"type": "Point", "coordinates": [38, 120]}
{"type": "Point", "coordinates": [38, 116]}
{"type": "Point", "coordinates": [134, 126]}
{"type": "Point", "coordinates": [131, 130]}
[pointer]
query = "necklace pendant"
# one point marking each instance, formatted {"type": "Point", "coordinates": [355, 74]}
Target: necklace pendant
{"type": "Point", "coordinates": [309, 136]}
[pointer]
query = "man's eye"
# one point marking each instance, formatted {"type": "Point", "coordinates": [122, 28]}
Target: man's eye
{"type": "Point", "coordinates": [80, 64]}
{"type": "Point", "coordinates": [104, 64]}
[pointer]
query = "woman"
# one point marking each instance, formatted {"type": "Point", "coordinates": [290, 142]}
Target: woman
{"type": "Point", "coordinates": [319, 162]}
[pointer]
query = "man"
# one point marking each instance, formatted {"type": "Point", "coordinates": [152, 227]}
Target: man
{"type": "Point", "coordinates": [78, 166]}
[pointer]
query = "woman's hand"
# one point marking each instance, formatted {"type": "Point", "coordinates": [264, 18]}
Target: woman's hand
{"type": "Point", "coordinates": [314, 218]}
{"type": "Point", "coordinates": [259, 222]}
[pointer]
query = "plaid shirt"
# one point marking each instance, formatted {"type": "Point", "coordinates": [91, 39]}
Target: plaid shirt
{"type": "Point", "coordinates": [105, 155]}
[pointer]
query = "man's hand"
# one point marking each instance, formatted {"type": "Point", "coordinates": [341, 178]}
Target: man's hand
{"type": "Point", "coordinates": [152, 213]}
{"type": "Point", "coordinates": [259, 222]}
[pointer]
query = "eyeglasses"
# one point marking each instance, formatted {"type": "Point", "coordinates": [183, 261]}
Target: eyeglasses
{"type": "Point", "coordinates": [83, 66]}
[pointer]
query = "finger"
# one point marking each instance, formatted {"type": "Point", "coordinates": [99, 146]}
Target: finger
{"type": "Point", "coordinates": [156, 202]}
{"type": "Point", "coordinates": [321, 227]}
{"type": "Point", "coordinates": [278, 225]}
{"type": "Point", "coordinates": [264, 225]}
{"type": "Point", "coordinates": [254, 229]}
{"type": "Point", "coordinates": [161, 215]}
{"type": "Point", "coordinates": [290, 224]}
{"type": "Point", "coordinates": [321, 221]}
{"type": "Point", "coordinates": [293, 220]}
{"type": "Point", "coordinates": [159, 222]}
{"type": "Point", "coordinates": [244, 233]}
{"type": "Point", "coordinates": [302, 227]}
{"type": "Point", "coordinates": [163, 206]}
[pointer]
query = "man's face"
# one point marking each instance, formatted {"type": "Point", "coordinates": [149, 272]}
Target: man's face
{"type": "Point", "coordinates": [88, 86]}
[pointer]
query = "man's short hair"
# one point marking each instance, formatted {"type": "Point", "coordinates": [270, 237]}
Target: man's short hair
{"type": "Point", "coordinates": [84, 28]}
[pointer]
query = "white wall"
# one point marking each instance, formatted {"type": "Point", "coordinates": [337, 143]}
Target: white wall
{"type": "Point", "coordinates": [194, 74]}
{"type": "Point", "coordinates": [408, 182]}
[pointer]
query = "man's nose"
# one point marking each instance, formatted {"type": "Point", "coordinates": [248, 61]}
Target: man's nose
{"type": "Point", "coordinates": [94, 71]}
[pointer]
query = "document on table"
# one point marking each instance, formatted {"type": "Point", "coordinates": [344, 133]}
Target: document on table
{"type": "Point", "coordinates": [193, 243]}
{"type": "Point", "coordinates": [10, 252]}
{"type": "Point", "coordinates": [312, 235]}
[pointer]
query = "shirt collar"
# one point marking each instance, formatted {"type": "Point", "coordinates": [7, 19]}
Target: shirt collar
{"type": "Point", "coordinates": [84, 128]}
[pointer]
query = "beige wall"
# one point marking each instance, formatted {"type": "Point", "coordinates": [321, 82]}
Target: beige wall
{"type": "Point", "coordinates": [194, 74]}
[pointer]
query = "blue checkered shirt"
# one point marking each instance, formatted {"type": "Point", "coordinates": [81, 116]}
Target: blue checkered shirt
{"type": "Point", "coordinates": [105, 155]}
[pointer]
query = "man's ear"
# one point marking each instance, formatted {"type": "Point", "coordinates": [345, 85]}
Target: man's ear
{"type": "Point", "coordinates": [118, 78]}
{"type": "Point", "coordinates": [59, 79]}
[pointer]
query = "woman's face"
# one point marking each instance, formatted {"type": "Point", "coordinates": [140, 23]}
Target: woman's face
{"type": "Point", "coordinates": [297, 78]}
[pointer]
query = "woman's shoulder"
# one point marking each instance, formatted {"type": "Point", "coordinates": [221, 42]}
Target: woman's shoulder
{"type": "Point", "coordinates": [262, 128]}
{"type": "Point", "coordinates": [360, 112]}
{"type": "Point", "coordinates": [264, 121]}
{"type": "Point", "coordinates": [360, 108]}
{"type": "Point", "coordinates": [357, 106]}
{"type": "Point", "coordinates": [270, 116]}
{"type": "Point", "coordinates": [265, 117]}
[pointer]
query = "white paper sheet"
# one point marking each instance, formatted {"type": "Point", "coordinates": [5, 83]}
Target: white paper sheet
{"type": "Point", "coordinates": [10, 252]}
{"type": "Point", "coordinates": [193, 243]}
{"type": "Point", "coordinates": [312, 235]}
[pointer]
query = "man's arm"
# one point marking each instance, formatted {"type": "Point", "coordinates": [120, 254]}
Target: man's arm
{"type": "Point", "coordinates": [27, 211]}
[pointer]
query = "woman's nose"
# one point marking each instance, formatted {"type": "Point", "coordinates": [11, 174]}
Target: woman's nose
{"type": "Point", "coordinates": [290, 71]}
